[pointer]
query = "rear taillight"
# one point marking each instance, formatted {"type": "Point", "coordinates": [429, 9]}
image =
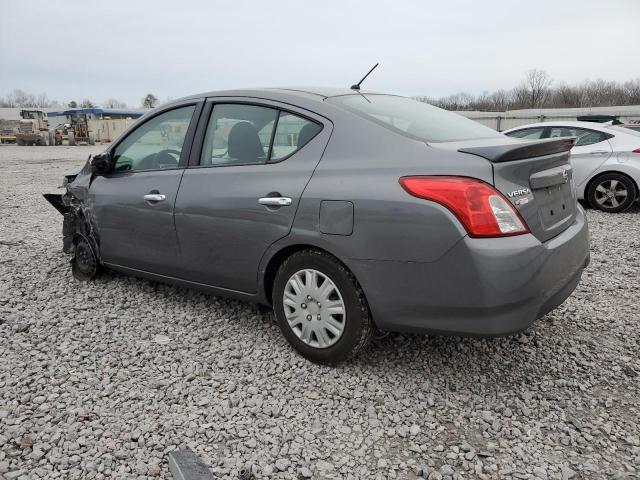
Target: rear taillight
{"type": "Point", "coordinates": [483, 211]}
{"type": "Point", "coordinates": [637, 150]}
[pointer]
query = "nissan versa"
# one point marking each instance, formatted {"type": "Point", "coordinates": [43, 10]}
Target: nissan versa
{"type": "Point", "coordinates": [348, 212]}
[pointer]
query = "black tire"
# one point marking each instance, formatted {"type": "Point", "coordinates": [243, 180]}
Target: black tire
{"type": "Point", "coordinates": [358, 328]}
{"type": "Point", "coordinates": [600, 200]}
{"type": "Point", "coordinates": [84, 265]}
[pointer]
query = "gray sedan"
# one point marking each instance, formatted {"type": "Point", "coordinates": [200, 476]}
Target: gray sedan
{"type": "Point", "coordinates": [346, 212]}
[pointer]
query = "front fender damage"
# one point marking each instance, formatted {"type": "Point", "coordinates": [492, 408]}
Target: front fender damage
{"type": "Point", "coordinates": [79, 230]}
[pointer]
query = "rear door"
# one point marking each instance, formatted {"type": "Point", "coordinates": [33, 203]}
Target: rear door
{"type": "Point", "coordinates": [248, 168]}
{"type": "Point", "coordinates": [591, 150]}
{"type": "Point", "coordinates": [133, 205]}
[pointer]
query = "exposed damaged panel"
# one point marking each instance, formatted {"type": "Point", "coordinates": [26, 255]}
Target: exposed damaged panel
{"type": "Point", "coordinates": [56, 200]}
{"type": "Point", "coordinates": [79, 232]}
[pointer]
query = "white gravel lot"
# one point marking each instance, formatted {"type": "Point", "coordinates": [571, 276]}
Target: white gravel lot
{"type": "Point", "coordinates": [86, 392]}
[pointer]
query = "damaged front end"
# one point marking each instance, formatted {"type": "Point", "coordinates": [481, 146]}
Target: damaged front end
{"type": "Point", "coordinates": [79, 231]}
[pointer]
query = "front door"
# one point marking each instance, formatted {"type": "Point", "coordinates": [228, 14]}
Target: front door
{"type": "Point", "coordinates": [242, 189]}
{"type": "Point", "coordinates": [133, 204]}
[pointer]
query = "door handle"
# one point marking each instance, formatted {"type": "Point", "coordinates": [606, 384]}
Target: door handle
{"type": "Point", "coordinates": [154, 197]}
{"type": "Point", "coordinates": [275, 201]}
{"type": "Point", "coordinates": [598, 152]}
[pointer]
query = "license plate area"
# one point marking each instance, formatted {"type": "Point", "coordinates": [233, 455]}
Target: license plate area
{"type": "Point", "coordinates": [556, 204]}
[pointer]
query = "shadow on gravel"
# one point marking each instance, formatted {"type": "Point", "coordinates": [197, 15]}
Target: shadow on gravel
{"type": "Point", "coordinates": [480, 366]}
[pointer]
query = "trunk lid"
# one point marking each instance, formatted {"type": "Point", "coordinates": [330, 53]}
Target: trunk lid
{"type": "Point", "coordinates": [535, 176]}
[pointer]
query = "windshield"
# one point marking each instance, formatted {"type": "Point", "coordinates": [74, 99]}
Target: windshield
{"type": "Point", "coordinates": [78, 118]}
{"type": "Point", "coordinates": [414, 119]}
{"type": "Point", "coordinates": [626, 130]}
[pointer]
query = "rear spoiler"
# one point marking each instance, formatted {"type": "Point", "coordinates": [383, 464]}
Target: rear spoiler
{"type": "Point", "coordinates": [509, 152]}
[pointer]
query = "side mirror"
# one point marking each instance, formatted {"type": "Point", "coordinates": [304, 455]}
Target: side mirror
{"type": "Point", "coordinates": [101, 164]}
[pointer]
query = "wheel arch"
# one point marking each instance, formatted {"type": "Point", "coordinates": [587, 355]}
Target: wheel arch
{"type": "Point", "coordinates": [617, 172]}
{"type": "Point", "coordinates": [280, 256]}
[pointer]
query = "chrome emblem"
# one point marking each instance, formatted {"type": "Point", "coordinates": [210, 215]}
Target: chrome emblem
{"type": "Point", "coordinates": [519, 193]}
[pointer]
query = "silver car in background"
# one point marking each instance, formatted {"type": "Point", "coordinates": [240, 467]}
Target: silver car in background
{"type": "Point", "coordinates": [605, 160]}
{"type": "Point", "coordinates": [345, 211]}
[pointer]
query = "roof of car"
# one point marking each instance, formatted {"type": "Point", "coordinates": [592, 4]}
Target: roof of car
{"type": "Point", "coordinates": [277, 93]}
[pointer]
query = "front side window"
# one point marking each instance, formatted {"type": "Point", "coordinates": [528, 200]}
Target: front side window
{"type": "Point", "coordinates": [528, 133]}
{"type": "Point", "coordinates": [156, 144]}
{"type": "Point", "coordinates": [584, 136]}
{"type": "Point", "coordinates": [240, 134]}
{"type": "Point", "coordinates": [414, 119]}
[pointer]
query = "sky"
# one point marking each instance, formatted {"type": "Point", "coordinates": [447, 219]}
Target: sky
{"type": "Point", "coordinates": [124, 49]}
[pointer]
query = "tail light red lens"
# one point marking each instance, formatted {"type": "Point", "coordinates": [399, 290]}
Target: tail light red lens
{"type": "Point", "coordinates": [637, 150]}
{"type": "Point", "coordinates": [482, 210]}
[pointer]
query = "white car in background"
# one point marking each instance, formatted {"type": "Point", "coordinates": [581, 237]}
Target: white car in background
{"type": "Point", "coordinates": [605, 160]}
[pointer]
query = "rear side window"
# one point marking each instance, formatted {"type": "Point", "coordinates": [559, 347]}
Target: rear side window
{"type": "Point", "coordinates": [527, 133]}
{"type": "Point", "coordinates": [414, 119]}
{"type": "Point", "coordinates": [585, 137]}
{"type": "Point", "coordinates": [240, 134]}
{"type": "Point", "coordinates": [293, 132]}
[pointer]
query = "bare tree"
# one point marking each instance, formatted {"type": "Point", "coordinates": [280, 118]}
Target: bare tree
{"type": "Point", "coordinates": [632, 91]}
{"type": "Point", "coordinates": [86, 103]}
{"type": "Point", "coordinates": [567, 96]}
{"type": "Point", "coordinates": [520, 97]}
{"type": "Point", "coordinates": [537, 83]}
{"type": "Point", "coordinates": [72, 104]}
{"type": "Point", "coordinates": [114, 103]}
{"type": "Point", "coordinates": [19, 98]}
{"type": "Point", "coordinates": [149, 101]}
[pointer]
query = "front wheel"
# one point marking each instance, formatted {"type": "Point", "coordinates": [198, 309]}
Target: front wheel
{"type": "Point", "coordinates": [611, 192]}
{"type": "Point", "coordinates": [320, 307]}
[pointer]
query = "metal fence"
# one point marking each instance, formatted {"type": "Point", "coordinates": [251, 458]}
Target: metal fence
{"type": "Point", "coordinates": [514, 118]}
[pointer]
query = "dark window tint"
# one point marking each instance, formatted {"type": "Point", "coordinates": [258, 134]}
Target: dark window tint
{"type": "Point", "coordinates": [414, 119]}
{"type": "Point", "coordinates": [528, 133]}
{"type": "Point", "coordinates": [292, 133]}
{"type": "Point", "coordinates": [585, 137]}
{"type": "Point", "coordinates": [155, 144]}
{"type": "Point", "coordinates": [238, 134]}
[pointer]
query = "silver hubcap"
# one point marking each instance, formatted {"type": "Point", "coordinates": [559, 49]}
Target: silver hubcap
{"type": "Point", "coordinates": [611, 193]}
{"type": "Point", "coordinates": [314, 308]}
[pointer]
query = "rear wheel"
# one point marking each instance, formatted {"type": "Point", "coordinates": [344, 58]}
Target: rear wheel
{"type": "Point", "coordinates": [611, 192]}
{"type": "Point", "coordinates": [72, 139]}
{"type": "Point", "coordinates": [320, 307]}
{"type": "Point", "coordinates": [92, 138]}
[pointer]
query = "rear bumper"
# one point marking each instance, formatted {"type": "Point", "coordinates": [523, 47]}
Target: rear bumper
{"type": "Point", "coordinates": [480, 286]}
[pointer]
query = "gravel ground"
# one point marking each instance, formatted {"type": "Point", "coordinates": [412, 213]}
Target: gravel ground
{"type": "Point", "coordinates": [87, 391]}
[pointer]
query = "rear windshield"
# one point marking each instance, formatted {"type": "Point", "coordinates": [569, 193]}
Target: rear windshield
{"type": "Point", "coordinates": [414, 119]}
{"type": "Point", "coordinates": [626, 130]}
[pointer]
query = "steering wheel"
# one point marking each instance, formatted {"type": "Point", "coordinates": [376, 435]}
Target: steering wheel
{"type": "Point", "coordinates": [169, 151]}
{"type": "Point", "coordinates": [165, 157]}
